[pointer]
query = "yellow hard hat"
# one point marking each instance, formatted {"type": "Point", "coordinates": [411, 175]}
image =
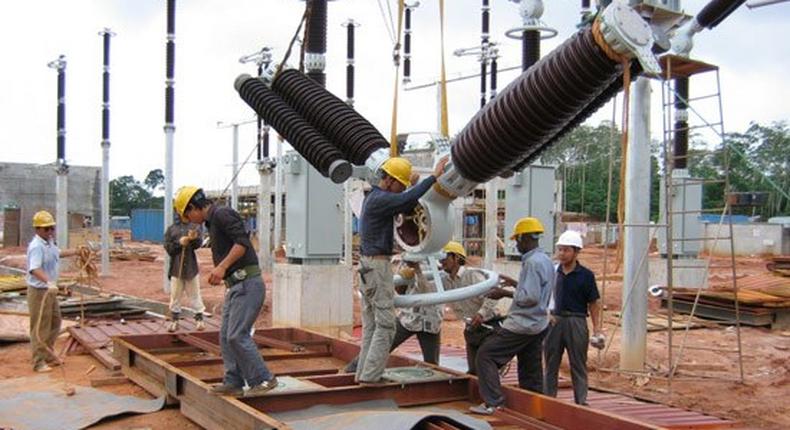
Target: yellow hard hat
{"type": "Point", "coordinates": [43, 219]}
{"type": "Point", "coordinates": [400, 169]}
{"type": "Point", "coordinates": [183, 196]}
{"type": "Point", "coordinates": [526, 225]}
{"type": "Point", "coordinates": [454, 247]}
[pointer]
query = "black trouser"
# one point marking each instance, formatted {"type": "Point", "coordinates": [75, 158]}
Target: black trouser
{"type": "Point", "coordinates": [474, 337]}
{"type": "Point", "coordinates": [430, 344]}
{"type": "Point", "coordinates": [497, 351]}
{"type": "Point", "coordinates": [568, 333]}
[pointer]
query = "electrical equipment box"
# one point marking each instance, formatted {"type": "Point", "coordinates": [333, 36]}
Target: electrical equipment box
{"type": "Point", "coordinates": [686, 205]}
{"type": "Point", "coordinates": [314, 231]}
{"type": "Point", "coordinates": [530, 193]}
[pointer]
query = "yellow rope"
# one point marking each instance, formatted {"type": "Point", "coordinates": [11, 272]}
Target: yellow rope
{"type": "Point", "coordinates": [626, 63]}
{"type": "Point", "coordinates": [443, 79]}
{"type": "Point", "coordinates": [396, 58]}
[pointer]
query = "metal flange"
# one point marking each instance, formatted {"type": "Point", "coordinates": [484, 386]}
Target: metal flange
{"type": "Point", "coordinates": [627, 33]}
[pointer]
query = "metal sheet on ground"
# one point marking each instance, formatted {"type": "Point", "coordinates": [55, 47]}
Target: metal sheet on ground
{"type": "Point", "coordinates": [22, 400]}
{"type": "Point", "coordinates": [378, 414]}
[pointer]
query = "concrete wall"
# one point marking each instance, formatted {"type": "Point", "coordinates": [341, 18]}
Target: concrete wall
{"type": "Point", "coordinates": [31, 187]}
{"type": "Point", "coordinates": [750, 239]}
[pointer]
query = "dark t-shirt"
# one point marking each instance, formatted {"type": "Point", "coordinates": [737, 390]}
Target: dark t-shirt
{"type": "Point", "coordinates": [226, 228]}
{"type": "Point", "coordinates": [575, 290]}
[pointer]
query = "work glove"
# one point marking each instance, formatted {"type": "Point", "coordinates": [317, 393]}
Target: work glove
{"type": "Point", "coordinates": [52, 288]}
{"type": "Point", "coordinates": [598, 341]}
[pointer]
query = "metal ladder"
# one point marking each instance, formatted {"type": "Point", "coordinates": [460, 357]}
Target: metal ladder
{"type": "Point", "coordinates": [672, 185]}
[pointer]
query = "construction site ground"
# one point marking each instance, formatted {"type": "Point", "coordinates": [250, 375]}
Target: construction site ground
{"type": "Point", "coordinates": [760, 402]}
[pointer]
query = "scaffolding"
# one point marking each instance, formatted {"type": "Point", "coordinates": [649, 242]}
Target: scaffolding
{"type": "Point", "coordinates": [681, 67]}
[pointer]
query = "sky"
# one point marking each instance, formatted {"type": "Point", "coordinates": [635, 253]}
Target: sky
{"type": "Point", "coordinates": [211, 35]}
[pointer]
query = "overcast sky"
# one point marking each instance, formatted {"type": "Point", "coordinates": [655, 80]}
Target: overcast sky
{"type": "Point", "coordinates": [750, 47]}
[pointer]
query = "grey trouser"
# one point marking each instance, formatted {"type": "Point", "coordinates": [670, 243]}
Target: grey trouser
{"type": "Point", "coordinates": [43, 335]}
{"type": "Point", "coordinates": [497, 351]}
{"type": "Point", "coordinates": [240, 355]}
{"type": "Point", "coordinates": [568, 333]}
{"type": "Point", "coordinates": [430, 344]}
{"type": "Point", "coordinates": [378, 319]}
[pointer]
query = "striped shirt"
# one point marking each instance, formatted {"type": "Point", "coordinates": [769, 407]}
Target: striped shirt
{"type": "Point", "coordinates": [476, 305]}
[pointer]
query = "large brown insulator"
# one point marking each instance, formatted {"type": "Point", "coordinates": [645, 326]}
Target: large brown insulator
{"type": "Point", "coordinates": [524, 117]}
{"type": "Point", "coordinates": [340, 123]}
{"type": "Point", "coordinates": [308, 141]}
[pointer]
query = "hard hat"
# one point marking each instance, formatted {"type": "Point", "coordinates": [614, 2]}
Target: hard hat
{"type": "Point", "coordinates": [43, 219]}
{"type": "Point", "coordinates": [526, 225]}
{"type": "Point", "coordinates": [454, 248]}
{"type": "Point", "coordinates": [571, 238]}
{"type": "Point", "coordinates": [183, 196]}
{"type": "Point", "coordinates": [400, 169]}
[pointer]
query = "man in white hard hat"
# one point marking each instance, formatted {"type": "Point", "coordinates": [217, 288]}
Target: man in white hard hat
{"type": "Point", "coordinates": [575, 297]}
{"type": "Point", "coordinates": [43, 266]}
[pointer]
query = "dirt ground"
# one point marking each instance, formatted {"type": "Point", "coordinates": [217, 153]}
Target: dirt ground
{"type": "Point", "coordinates": [759, 402]}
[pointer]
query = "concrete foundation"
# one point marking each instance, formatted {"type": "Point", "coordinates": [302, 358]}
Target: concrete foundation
{"type": "Point", "coordinates": [690, 275]}
{"type": "Point", "coordinates": [313, 297]}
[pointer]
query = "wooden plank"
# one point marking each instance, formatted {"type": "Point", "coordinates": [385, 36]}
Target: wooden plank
{"type": "Point", "coordinates": [109, 380]}
{"type": "Point", "coordinates": [200, 343]}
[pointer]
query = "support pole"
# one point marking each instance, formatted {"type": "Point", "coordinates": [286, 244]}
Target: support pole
{"type": "Point", "coordinates": [106, 34]}
{"type": "Point", "coordinates": [637, 212]}
{"type": "Point", "coordinates": [492, 203]}
{"type": "Point", "coordinates": [169, 127]}
{"type": "Point", "coordinates": [348, 232]}
{"type": "Point", "coordinates": [278, 195]}
{"type": "Point", "coordinates": [62, 168]}
{"type": "Point", "coordinates": [265, 206]}
{"type": "Point", "coordinates": [234, 187]}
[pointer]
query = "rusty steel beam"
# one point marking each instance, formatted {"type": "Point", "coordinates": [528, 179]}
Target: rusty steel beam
{"type": "Point", "coordinates": [197, 342]}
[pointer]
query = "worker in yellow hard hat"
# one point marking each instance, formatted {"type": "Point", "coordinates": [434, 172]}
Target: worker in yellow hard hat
{"type": "Point", "coordinates": [479, 313]}
{"type": "Point", "coordinates": [386, 200]}
{"type": "Point", "coordinates": [235, 266]}
{"type": "Point", "coordinates": [43, 266]}
{"type": "Point", "coordinates": [526, 323]}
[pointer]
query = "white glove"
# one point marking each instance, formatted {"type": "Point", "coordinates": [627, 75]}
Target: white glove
{"type": "Point", "coordinates": [598, 341]}
{"type": "Point", "coordinates": [52, 288]}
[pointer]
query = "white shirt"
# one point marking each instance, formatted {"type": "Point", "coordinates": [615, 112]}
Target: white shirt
{"type": "Point", "coordinates": [45, 255]}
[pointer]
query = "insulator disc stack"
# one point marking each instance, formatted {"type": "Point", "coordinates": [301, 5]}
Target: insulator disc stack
{"type": "Point", "coordinates": [520, 121]}
{"type": "Point", "coordinates": [308, 141]}
{"type": "Point", "coordinates": [342, 125]}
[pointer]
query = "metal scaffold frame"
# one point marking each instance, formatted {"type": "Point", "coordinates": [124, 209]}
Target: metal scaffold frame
{"type": "Point", "coordinates": [675, 66]}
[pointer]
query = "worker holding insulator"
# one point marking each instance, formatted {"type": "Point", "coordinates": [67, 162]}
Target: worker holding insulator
{"type": "Point", "coordinates": [385, 200]}
{"type": "Point", "coordinates": [479, 313]}
{"type": "Point", "coordinates": [575, 295]}
{"type": "Point", "coordinates": [180, 242]}
{"type": "Point", "coordinates": [236, 266]}
{"type": "Point", "coordinates": [43, 266]}
{"type": "Point", "coordinates": [526, 323]}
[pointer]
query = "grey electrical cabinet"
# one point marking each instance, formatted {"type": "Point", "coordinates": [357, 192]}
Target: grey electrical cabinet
{"type": "Point", "coordinates": [314, 231]}
{"type": "Point", "coordinates": [530, 193]}
{"type": "Point", "coordinates": [686, 205]}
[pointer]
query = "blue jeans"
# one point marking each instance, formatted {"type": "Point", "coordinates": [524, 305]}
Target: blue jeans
{"type": "Point", "coordinates": [240, 356]}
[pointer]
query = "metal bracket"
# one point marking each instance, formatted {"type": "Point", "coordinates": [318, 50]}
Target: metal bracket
{"type": "Point", "coordinates": [627, 33]}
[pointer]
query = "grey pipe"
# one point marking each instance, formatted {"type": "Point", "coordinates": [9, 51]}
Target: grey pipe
{"type": "Point", "coordinates": [448, 296]}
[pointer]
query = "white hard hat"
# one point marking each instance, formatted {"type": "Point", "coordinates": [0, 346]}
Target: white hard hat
{"type": "Point", "coordinates": [571, 238]}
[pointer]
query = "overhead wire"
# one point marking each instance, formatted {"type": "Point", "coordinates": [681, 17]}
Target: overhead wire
{"type": "Point", "coordinates": [387, 24]}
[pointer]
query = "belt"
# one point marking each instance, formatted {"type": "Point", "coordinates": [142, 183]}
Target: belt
{"type": "Point", "coordinates": [241, 275]}
{"type": "Point", "coordinates": [378, 257]}
{"type": "Point", "coordinates": [570, 314]}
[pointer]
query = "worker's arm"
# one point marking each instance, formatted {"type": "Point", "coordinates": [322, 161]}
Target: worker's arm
{"type": "Point", "coordinates": [218, 274]}
{"type": "Point", "coordinates": [35, 264]}
{"type": "Point", "coordinates": [40, 275]}
{"type": "Point", "coordinates": [171, 245]}
{"type": "Point", "coordinates": [595, 316]}
{"type": "Point", "coordinates": [528, 289]}
{"type": "Point", "coordinates": [391, 204]}
{"type": "Point", "coordinates": [64, 253]}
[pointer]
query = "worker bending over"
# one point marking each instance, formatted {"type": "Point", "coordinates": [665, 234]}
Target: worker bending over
{"type": "Point", "coordinates": [181, 241]}
{"type": "Point", "coordinates": [526, 323]}
{"type": "Point", "coordinates": [575, 296]}
{"type": "Point", "coordinates": [43, 267]}
{"type": "Point", "coordinates": [479, 313]}
{"type": "Point", "coordinates": [235, 265]}
{"type": "Point", "coordinates": [381, 205]}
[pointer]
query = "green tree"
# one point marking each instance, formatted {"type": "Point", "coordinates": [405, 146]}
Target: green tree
{"type": "Point", "coordinates": [126, 193]}
{"type": "Point", "coordinates": [154, 180]}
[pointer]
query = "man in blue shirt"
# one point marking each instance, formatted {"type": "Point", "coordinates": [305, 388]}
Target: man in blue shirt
{"type": "Point", "coordinates": [381, 205]}
{"type": "Point", "coordinates": [43, 266]}
{"type": "Point", "coordinates": [524, 327]}
{"type": "Point", "coordinates": [575, 294]}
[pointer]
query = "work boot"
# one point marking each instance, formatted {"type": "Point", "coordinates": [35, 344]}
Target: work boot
{"type": "Point", "coordinates": [226, 390]}
{"type": "Point", "coordinates": [173, 326]}
{"type": "Point", "coordinates": [484, 409]}
{"type": "Point", "coordinates": [42, 368]}
{"type": "Point", "coordinates": [262, 388]}
{"type": "Point", "coordinates": [200, 325]}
